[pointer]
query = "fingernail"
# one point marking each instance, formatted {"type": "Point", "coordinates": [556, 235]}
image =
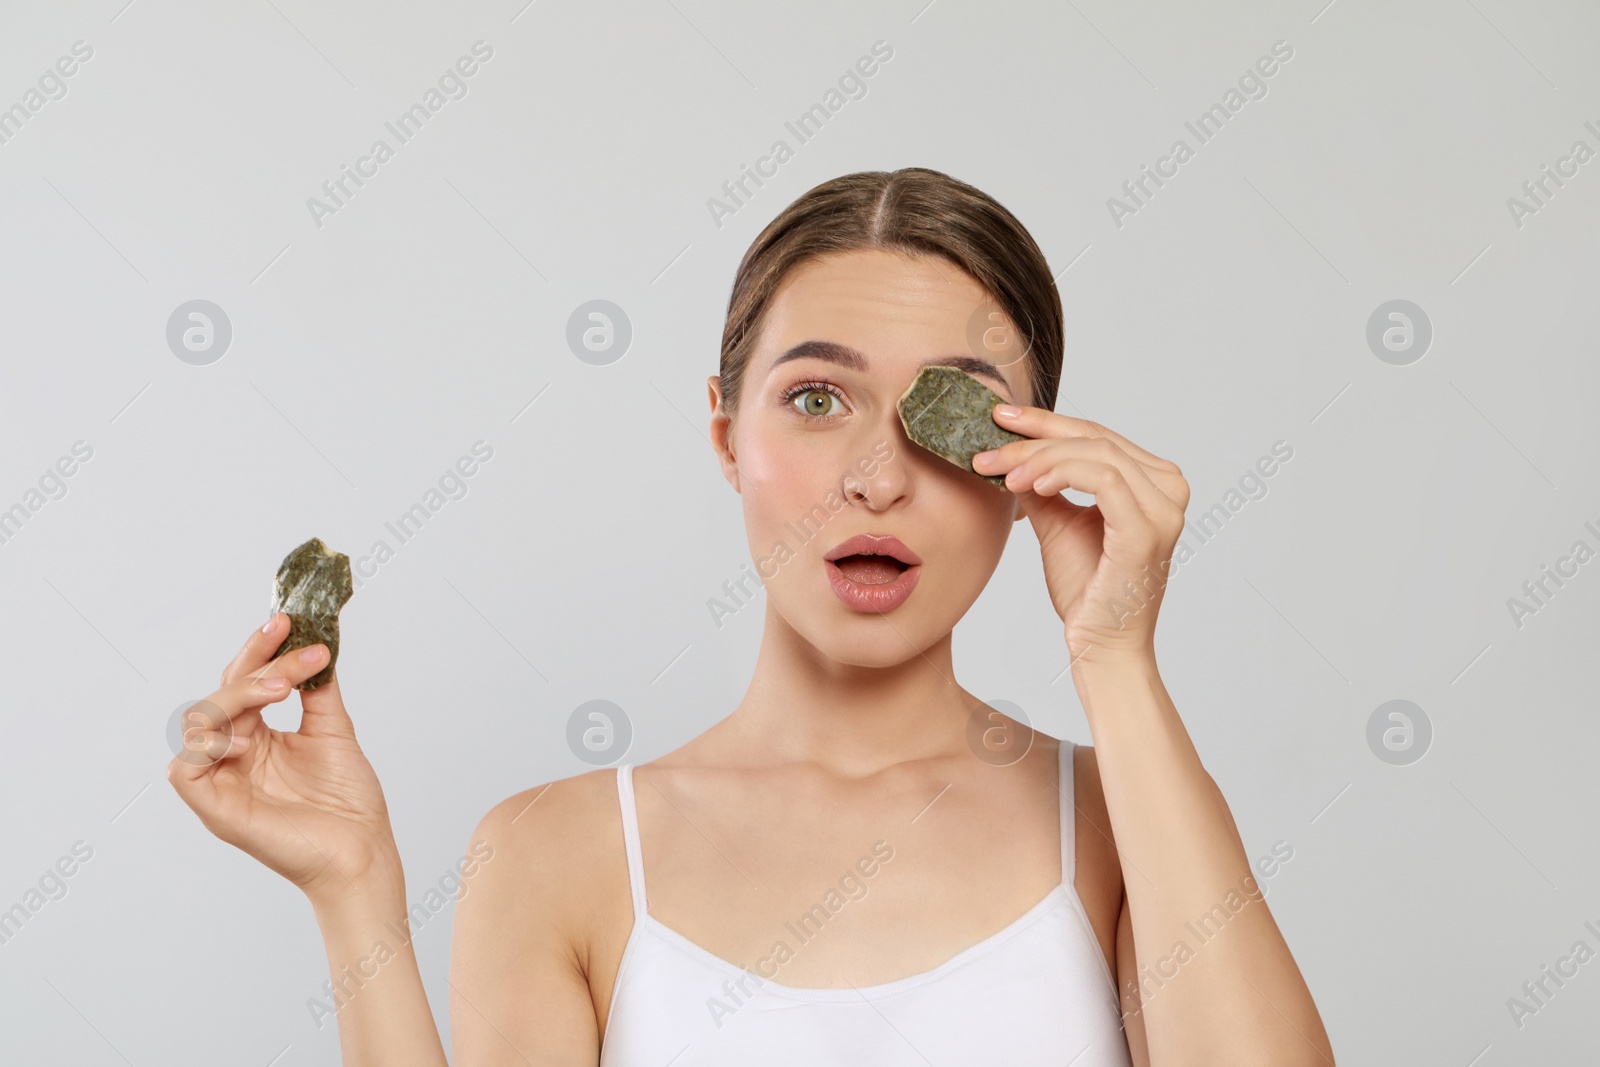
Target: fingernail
{"type": "Point", "coordinates": [1008, 410]}
{"type": "Point", "coordinates": [237, 742]}
{"type": "Point", "coordinates": [274, 681]}
{"type": "Point", "coordinates": [311, 655]}
{"type": "Point", "coordinates": [267, 627]}
{"type": "Point", "coordinates": [982, 457]}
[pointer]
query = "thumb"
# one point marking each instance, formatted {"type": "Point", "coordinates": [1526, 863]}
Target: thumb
{"type": "Point", "coordinates": [323, 713]}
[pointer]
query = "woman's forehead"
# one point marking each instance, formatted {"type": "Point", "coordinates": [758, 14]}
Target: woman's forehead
{"type": "Point", "coordinates": [875, 276]}
{"type": "Point", "coordinates": [871, 309]}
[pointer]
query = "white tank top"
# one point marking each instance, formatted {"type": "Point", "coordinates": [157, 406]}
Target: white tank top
{"type": "Point", "coordinates": [1036, 992]}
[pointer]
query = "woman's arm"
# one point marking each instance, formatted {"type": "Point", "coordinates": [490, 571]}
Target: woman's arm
{"type": "Point", "coordinates": [307, 804]}
{"type": "Point", "coordinates": [1215, 982]}
{"type": "Point", "coordinates": [381, 1008]}
{"type": "Point", "coordinates": [1236, 996]}
{"type": "Point", "coordinates": [551, 871]}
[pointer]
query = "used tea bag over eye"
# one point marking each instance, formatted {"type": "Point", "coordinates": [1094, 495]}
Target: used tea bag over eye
{"type": "Point", "coordinates": [947, 411]}
{"type": "Point", "coordinates": [312, 585]}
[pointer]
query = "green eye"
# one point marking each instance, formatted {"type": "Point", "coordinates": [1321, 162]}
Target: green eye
{"type": "Point", "coordinates": [816, 401]}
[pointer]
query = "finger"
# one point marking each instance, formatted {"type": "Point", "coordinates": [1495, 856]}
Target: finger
{"type": "Point", "coordinates": [269, 684]}
{"type": "Point", "coordinates": [202, 750]}
{"type": "Point", "coordinates": [323, 713]}
{"type": "Point", "coordinates": [1119, 507]}
{"type": "Point", "coordinates": [1040, 422]}
{"type": "Point", "coordinates": [258, 648]}
{"type": "Point", "coordinates": [1040, 464]}
{"type": "Point", "coordinates": [1034, 507]}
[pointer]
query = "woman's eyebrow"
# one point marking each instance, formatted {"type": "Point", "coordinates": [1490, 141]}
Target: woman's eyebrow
{"type": "Point", "coordinates": [845, 356]}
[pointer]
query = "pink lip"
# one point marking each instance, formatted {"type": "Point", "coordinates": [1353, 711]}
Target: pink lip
{"type": "Point", "coordinates": [873, 545]}
{"type": "Point", "coordinates": [873, 599]}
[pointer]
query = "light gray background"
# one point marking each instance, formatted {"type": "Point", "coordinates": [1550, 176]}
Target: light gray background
{"type": "Point", "coordinates": [431, 310]}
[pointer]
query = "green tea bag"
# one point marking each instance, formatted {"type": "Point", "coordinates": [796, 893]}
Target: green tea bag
{"type": "Point", "coordinates": [947, 411]}
{"type": "Point", "coordinates": [313, 583]}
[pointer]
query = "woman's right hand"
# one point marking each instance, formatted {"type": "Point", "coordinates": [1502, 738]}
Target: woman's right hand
{"type": "Point", "coordinates": [304, 802]}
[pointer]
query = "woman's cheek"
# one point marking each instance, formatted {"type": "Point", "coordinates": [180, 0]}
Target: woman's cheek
{"type": "Point", "coordinates": [774, 483]}
{"type": "Point", "coordinates": [795, 465]}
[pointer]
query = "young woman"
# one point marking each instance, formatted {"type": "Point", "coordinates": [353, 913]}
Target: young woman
{"type": "Point", "coordinates": [862, 863]}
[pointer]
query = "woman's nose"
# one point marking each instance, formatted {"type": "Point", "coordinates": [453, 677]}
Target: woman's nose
{"type": "Point", "coordinates": [877, 473]}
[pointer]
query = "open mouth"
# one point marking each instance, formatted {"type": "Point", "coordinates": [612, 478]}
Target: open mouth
{"type": "Point", "coordinates": [866, 569]}
{"type": "Point", "coordinates": [872, 573]}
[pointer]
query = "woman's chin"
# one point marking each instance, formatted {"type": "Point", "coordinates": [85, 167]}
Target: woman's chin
{"type": "Point", "coordinates": [875, 655]}
{"type": "Point", "coordinates": [860, 639]}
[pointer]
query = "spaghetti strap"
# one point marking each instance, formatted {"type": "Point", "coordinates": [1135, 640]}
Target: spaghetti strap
{"type": "Point", "coordinates": [630, 839]}
{"type": "Point", "coordinates": [1039, 990]}
{"type": "Point", "coordinates": [1069, 822]}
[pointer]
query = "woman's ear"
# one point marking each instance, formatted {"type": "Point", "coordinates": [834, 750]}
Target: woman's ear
{"type": "Point", "coordinates": [722, 432]}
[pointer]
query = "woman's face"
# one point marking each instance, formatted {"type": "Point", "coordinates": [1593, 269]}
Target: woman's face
{"type": "Point", "coordinates": [818, 454]}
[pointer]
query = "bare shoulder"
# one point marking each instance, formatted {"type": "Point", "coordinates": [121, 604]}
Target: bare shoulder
{"type": "Point", "coordinates": [537, 915]}
{"type": "Point", "coordinates": [558, 832]}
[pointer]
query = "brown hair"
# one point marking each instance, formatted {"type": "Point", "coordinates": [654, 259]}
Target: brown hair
{"type": "Point", "coordinates": [913, 210]}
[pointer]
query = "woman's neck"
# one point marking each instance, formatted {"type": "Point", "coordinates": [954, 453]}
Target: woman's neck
{"type": "Point", "coordinates": [804, 705]}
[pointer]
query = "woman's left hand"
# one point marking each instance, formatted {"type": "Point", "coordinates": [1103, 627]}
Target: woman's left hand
{"type": "Point", "coordinates": [1106, 564]}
